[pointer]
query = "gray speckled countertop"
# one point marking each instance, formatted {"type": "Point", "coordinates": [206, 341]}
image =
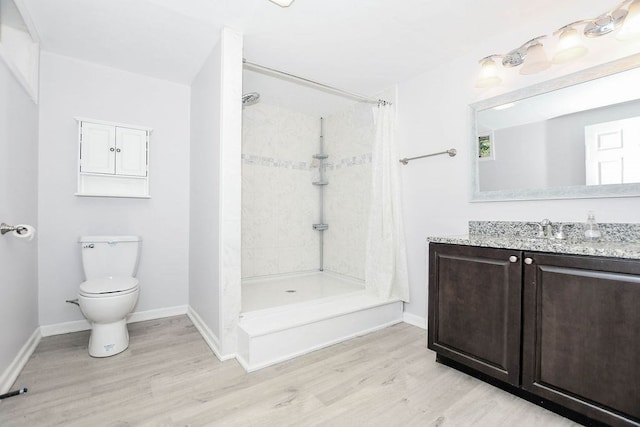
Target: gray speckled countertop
{"type": "Point", "coordinates": [519, 236]}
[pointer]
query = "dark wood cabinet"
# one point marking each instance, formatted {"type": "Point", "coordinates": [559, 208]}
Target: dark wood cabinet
{"type": "Point", "coordinates": [560, 330]}
{"type": "Point", "coordinates": [581, 334]}
{"type": "Point", "coordinates": [475, 308]}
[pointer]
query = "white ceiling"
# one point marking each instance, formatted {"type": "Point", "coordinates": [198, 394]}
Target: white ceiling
{"type": "Point", "coordinates": [362, 46]}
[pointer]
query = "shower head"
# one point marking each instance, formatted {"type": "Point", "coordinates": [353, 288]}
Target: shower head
{"type": "Point", "coordinates": [250, 98]}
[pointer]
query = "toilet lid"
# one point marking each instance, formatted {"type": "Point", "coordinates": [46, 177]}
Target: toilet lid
{"type": "Point", "coordinates": [107, 285]}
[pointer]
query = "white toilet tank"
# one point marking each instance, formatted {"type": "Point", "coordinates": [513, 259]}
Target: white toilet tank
{"type": "Point", "coordinates": [110, 256]}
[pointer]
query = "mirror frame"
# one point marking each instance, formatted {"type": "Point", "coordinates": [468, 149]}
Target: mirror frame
{"type": "Point", "coordinates": [573, 192]}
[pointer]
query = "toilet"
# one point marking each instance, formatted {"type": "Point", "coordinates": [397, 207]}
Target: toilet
{"type": "Point", "coordinates": [110, 290]}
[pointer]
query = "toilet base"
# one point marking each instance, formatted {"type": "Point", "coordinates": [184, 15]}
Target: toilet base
{"type": "Point", "coordinates": [108, 339]}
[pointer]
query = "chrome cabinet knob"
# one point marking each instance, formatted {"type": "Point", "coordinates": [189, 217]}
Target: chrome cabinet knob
{"type": "Point", "coordinates": [528, 261]}
{"type": "Point", "coordinates": [513, 258]}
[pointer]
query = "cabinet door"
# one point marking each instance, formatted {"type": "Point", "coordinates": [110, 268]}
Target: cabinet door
{"type": "Point", "coordinates": [581, 336]}
{"type": "Point", "coordinates": [475, 307]}
{"type": "Point", "coordinates": [97, 148]}
{"type": "Point", "coordinates": [131, 152]}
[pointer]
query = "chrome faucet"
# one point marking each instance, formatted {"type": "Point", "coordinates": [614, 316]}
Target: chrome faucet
{"type": "Point", "coordinates": [560, 234]}
{"type": "Point", "coordinates": [545, 228]}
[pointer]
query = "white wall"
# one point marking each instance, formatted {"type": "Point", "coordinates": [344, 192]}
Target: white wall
{"type": "Point", "coordinates": [433, 115]}
{"type": "Point", "coordinates": [566, 141]}
{"type": "Point", "coordinates": [214, 265]}
{"type": "Point", "coordinates": [18, 204]}
{"type": "Point", "coordinates": [349, 137]}
{"type": "Point", "coordinates": [72, 88]}
{"type": "Point", "coordinates": [510, 170]}
{"type": "Point", "coordinates": [279, 203]}
{"type": "Point", "coordinates": [230, 187]}
{"type": "Point", "coordinates": [204, 234]}
{"type": "Point", "coordinates": [280, 135]}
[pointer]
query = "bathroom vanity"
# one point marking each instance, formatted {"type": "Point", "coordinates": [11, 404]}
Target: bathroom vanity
{"type": "Point", "coordinates": [556, 322]}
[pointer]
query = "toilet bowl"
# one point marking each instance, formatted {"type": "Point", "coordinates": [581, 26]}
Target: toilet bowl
{"type": "Point", "coordinates": [107, 310]}
{"type": "Point", "coordinates": [110, 292]}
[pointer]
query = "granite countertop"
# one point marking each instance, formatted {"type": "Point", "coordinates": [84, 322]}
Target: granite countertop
{"type": "Point", "coordinates": [629, 250]}
{"type": "Point", "coordinates": [618, 240]}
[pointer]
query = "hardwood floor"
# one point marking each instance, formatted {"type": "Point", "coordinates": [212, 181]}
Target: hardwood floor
{"type": "Point", "coordinates": [169, 377]}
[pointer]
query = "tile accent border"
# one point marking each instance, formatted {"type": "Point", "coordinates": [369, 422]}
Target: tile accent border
{"type": "Point", "coordinates": [248, 159]}
{"type": "Point", "coordinates": [270, 162]}
{"type": "Point", "coordinates": [362, 159]}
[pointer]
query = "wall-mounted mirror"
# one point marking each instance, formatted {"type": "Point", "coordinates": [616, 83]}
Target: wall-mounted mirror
{"type": "Point", "coordinates": [19, 46]}
{"type": "Point", "coordinates": [573, 137]}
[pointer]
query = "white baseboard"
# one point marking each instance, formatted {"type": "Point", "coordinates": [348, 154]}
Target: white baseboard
{"type": "Point", "coordinates": [64, 328]}
{"type": "Point", "coordinates": [207, 335]}
{"type": "Point", "coordinates": [139, 316]}
{"type": "Point", "coordinates": [243, 363]}
{"type": "Point", "coordinates": [159, 313]}
{"type": "Point", "coordinates": [414, 320]}
{"type": "Point", "coordinates": [13, 370]}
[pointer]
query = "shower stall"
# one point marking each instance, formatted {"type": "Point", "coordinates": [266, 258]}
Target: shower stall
{"type": "Point", "coordinates": [306, 182]}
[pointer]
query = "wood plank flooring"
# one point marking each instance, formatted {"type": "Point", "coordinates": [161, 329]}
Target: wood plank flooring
{"type": "Point", "coordinates": [169, 377]}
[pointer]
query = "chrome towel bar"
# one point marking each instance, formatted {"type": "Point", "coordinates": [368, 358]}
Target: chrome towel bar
{"type": "Point", "coordinates": [451, 152]}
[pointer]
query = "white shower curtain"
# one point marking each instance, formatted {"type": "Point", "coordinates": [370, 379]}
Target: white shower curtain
{"type": "Point", "coordinates": [386, 257]}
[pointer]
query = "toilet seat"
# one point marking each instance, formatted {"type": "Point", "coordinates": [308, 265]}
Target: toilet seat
{"type": "Point", "coordinates": [108, 286]}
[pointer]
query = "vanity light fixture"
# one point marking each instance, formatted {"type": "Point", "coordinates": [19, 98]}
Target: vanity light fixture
{"type": "Point", "coordinates": [606, 23]}
{"type": "Point", "coordinates": [488, 73]}
{"type": "Point", "coordinates": [570, 46]}
{"type": "Point", "coordinates": [536, 59]}
{"type": "Point", "coordinates": [282, 3]}
{"type": "Point", "coordinates": [516, 56]}
{"type": "Point", "coordinates": [631, 28]}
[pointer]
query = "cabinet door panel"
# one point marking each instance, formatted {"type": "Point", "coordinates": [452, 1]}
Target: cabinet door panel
{"type": "Point", "coordinates": [582, 334]}
{"type": "Point", "coordinates": [97, 149]}
{"type": "Point", "coordinates": [475, 307]}
{"type": "Point", "coordinates": [131, 152]}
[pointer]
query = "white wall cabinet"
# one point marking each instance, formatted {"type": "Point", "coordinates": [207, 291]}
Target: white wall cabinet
{"type": "Point", "coordinates": [113, 159]}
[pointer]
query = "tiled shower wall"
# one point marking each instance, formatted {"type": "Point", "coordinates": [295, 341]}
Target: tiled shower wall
{"type": "Point", "coordinates": [279, 203]}
{"type": "Point", "coordinates": [348, 141]}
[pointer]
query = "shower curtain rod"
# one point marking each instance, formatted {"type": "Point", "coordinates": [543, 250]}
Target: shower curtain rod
{"type": "Point", "coordinates": [313, 82]}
